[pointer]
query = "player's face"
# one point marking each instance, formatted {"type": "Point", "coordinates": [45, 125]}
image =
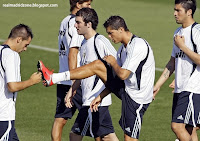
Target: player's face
{"type": "Point", "coordinates": [23, 44]}
{"type": "Point", "coordinates": [80, 25]}
{"type": "Point", "coordinates": [86, 5]}
{"type": "Point", "coordinates": [114, 35]}
{"type": "Point", "coordinates": [180, 14]}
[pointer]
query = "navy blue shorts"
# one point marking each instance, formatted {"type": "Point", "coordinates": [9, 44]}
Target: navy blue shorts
{"type": "Point", "coordinates": [186, 108]}
{"type": "Point", "coordinates": [95, 124]}
{"type": "Point", "coordinates": [7, 131]}
{"type": "Point", "coordinates": [132, 112]}
{"type": "Point", "coordinates": [61, 110]}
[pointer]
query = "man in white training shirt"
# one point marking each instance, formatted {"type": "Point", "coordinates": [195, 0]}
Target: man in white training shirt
{"type": "Point", "coordinates": [185, 61]}
{"type": "Point", "coordinates": [10, 78]}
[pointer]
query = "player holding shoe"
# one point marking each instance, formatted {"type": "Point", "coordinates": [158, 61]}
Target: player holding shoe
{"type": "Point", "coordinates": [10, 78]}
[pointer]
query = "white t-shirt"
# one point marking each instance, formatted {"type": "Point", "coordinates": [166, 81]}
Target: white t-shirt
{"type": "Point", "coordinates": [67, 38]}
{"type": "Point", "coordinates": [184, 81]}
{"type": "Point", "coordinates": [89, 55]}
{"type": "Point", "coordinates": [11, 64]}
{"type": "Point", "coordinates": [129, 58]}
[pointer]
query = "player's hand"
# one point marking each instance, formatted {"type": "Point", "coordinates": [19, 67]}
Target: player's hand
{"type": "Point", "coordinates": [110, 59]}
{"type": "Point", "coordinates": [94, 104]}
{"type": "Point", "coordinates": [155, 91]}
{"type": "Point", "coordinates": [36, 77]}
{"type": "Point", "coordinates": [68, 99]}
{"type": "Point", "coordinates": [172, 85]}
{"type": "Point", "coordinates": [179, 41]}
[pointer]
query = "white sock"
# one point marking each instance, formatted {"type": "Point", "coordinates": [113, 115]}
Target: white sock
{"type": "Point", "coordinates": [58, 77]}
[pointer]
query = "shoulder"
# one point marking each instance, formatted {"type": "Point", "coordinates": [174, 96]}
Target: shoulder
{"type": "Point", "coordinates": [177, 30]}
{"type": "Point", "coordinates": [196, 28]}
{"type": "Point", "coordinates": [67, 19]}
{"type": "Point", "coordinates": [102, 39]}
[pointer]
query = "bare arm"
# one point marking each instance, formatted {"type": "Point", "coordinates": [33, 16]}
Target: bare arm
{"type": "Point", "coordinates": [71, 93]}
{"type": "Point", "coordinates": [94, 104]}
{"type": "Point", "coordinates": [18, 86]}
{"type": "Point", "coordinates": [73, 57]}
{"type": "Point", "coordinates": [170, 67]}
{"type": "Point", "coordinates": [121, 73]}
{"type": "Point", "coordinates": [180, 43]}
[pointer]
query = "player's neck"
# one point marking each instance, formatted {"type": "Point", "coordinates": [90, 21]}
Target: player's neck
{"type": "Point", "coordinates": [188, 23]}
{"type": "Point", "coordinates": [90, 34]}
{"type": "Point", "coordinates": [126, 38]}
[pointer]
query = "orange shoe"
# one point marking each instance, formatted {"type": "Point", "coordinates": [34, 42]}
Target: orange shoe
{"type": "Point", "coordinates": [46, 74]}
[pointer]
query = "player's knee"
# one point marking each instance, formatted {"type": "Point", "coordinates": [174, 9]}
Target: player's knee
{"type": "Point", "coordinates": [176, 127]}
{"type": "Point", "coordinates": [60, 121]}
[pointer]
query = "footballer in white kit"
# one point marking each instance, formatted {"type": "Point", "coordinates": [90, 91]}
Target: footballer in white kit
{"type": "Point", "coordinates": [91, 88]}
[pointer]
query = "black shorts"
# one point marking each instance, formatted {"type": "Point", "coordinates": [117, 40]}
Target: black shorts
{"type": "Point", "coordinates": [7, 131]}
{"type": "Point", "coordinates": [93, 124]}
{"type": "Point", "coordinates": [114, 83]}
{"type": "Point", "coordinates": [61, 110]}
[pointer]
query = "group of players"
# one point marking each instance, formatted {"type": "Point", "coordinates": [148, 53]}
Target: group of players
{"type": "Point", "coordinates": [91, 68]}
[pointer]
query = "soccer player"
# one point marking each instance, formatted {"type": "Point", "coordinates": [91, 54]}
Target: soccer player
{"type": "Point", "coordinates": [10, 78]}
{"type": "Point", "coordinates": [68, 43]}
{"type": "Point", "coordinates": [185, 61]}
{"type": "Point", "coordinates": [134, 79]}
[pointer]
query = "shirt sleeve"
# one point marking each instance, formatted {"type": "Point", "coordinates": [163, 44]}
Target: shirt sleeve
{"type": "Point", "coordinates": [196, 37]}
{"type": "Point", "coordinates": [12, 68]}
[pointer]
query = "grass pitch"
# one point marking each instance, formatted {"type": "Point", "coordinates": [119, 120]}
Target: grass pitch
{"type": "Point", "coordinates": [150, 19]}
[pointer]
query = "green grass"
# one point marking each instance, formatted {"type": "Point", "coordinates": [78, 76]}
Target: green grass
{"type": "Point", "coordinates": [150, 19]}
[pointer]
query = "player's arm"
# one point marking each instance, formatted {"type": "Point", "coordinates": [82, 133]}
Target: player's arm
{"type": "Point", "coordinates": [73, 57]}
{"type": "Point", "coordinates": [121, 73]}
{"type": "Point", "coordinates": [71, 93]}
{"type": "Point", "coordinates": [180, 43]}
{"type": "Point", "coordinates": [169, 69]}
{"type": "Point", "coordinates": [18, 86]}
{"type": "Point", "coordinates": [94, 104]}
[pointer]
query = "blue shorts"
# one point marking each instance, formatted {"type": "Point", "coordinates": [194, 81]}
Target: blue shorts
{"type": "Point", "coordinates": [7, 131]}
{"type": "Point", "coordinates": [186, 108]}
{"type": "Point", "coordinates": [132, 112]}
{"type": "Point", "coordinates": [95, 124]}
{"type": "Point", "coordinates": [61, 110]}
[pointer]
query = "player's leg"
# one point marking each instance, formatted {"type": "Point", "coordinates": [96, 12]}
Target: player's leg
{"type": "Point", "coordinates": [96, 67]}
{"type": "Point", "coordinates": [180, 131]}
{"type": "Point", "coordinates": [128, 138]}
{"type": "Point", "coordinates": [57, 128]}
{"type": "Point", "coordinates": [110, 137]}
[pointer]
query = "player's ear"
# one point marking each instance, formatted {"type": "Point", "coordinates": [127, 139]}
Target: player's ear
{"type": "Point", "coordinates": [78, 5]}
{"type": "Point", "coordinates": [189, 12]}
{"type": "Point", "coordinates": [18, 39]}
{"type": "Point", "coordinates": [89, 24]}
{"type": "Point", "coordinates": [121, 29]}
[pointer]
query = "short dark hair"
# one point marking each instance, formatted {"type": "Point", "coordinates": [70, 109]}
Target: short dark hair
{"type": "Point", "coordinates": [89, 15]}
{"type": "Point", "coordinates": [21, 30]}
{"type": "Point", "coordinates": [188, 4]}
{"type": "Point", "coordinates": [73, 3]}
{"type": "Point", "coordinates": [115, 22]}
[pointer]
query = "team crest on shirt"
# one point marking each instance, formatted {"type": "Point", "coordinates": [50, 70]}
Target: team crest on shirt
{"type": "Point", "coordinates": [180, 54]}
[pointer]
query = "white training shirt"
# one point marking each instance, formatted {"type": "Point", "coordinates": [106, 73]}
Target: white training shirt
{"type": "Point", "coordinates": [11, 64]}
{"type": "Point", "coordinates": [129, 58]}
{"type": "Point", "coordinates": [67, 38]}
{"type": "Point", "coordinates": [88, 55]}
{"type": "Point", "coordinates": [184, 65]}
